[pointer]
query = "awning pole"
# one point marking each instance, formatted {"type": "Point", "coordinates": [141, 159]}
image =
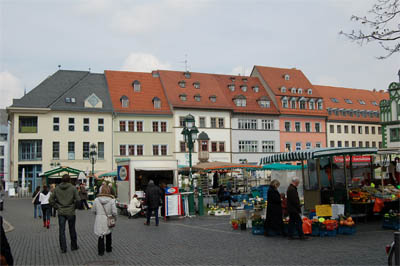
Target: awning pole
{"type": "Point", "coordinates": [382, 163]}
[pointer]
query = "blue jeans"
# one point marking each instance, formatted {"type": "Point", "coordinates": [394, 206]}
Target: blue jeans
{"type": "Point", "coordinates": [149, 211]}
{"type": "Point", "coordinates": [37, 209]}
{"type": "Point", "coordinates": [62, 220]}
{"type": "Point", "coordinates": [46, 209]}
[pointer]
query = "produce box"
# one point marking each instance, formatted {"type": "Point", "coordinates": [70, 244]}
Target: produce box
{"type": "Point", "coordinates": [315, 229]}
{"type": "Point", "coordinates": [257, 230]}
{"type": "Point", "coordinates": [391, 223]}
{"type": "Point", "coordinates": [346, 230]}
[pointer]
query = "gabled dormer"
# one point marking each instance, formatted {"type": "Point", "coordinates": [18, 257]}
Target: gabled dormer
{"type": "Point", "coordinates": [93, 102]}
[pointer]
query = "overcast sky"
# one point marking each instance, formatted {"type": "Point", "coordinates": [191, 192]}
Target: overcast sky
{"type": "Point", "coordinates": [215, 36]}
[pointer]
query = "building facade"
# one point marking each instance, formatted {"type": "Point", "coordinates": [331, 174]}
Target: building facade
{"type": "Point", "coordinates": [4, 148]}
{"type": "Point", "coordinates": [390, 117]}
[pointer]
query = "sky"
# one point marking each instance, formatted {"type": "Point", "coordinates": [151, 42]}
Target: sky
{"type": "Point", "coordinates": [213, 36]}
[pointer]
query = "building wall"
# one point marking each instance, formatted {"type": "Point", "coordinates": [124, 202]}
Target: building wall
{"type": "Point", "coordinates": [47, 135]}
{"type": "Point", "coordinates": [147, 138]}
{"type": "Point", "coordinates": [258, 135]}
{"type": "Point", "coordinates": [303, 137]}
{"type": "Point", "coordinates": [342, 137]}
{"type": "Point", "coordinates": [215, 134]}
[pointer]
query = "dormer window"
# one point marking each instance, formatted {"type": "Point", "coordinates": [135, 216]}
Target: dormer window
{"type": "Point", "coordinates": [156, 103]}
{"type": "Point", "coordinates": [374, 103]}
{"type": "Point", "coordinates": [285, 102]}
{"type": "Point", "coordinates": [311, 104]}
{"type": "Point", "coordinates": [187, 74]}
{"type": "Point", "coordinates": [124, 101]}
{"type": "Point", "coordinates": [348, 101]}
{"type": "Point", "coordinates": [293, 90]}
{"type": "Point", "coordinates": [136, 86]}
{"type": "Point", "coordinates": [196, 85]}
{"type": "Point", "coordinates": [231, 87]}
{"type": "Point", "coordinates": [256, 88]}
{"type": "Point", "coordinates": [283, 89]}
{"type": "Point", "coordinates": [240, 101]}
{"type": "Point", "coordinates": [293, 103]}
{"type": "Point", "coordinates": [182, 97]}
{"type": "Point", "coordinates": [244, 88]}
{"type": "Point", "coordinates": [309, 91]}
{"type": "Point", "coordinates": [264, 102]}
{"type": "Point", "coordinates": [361, 102]}
{"type": "Point", "coordinates": [286, 77]}
{"type": "Point", "coordinates": [233, 79]}
{"type": "Point", "coordinates": [155, 74]}
{"type": "Point", "coordinates": [319, 104]}
{"type": "Point", "coordinates": [244, 79]}
{"type": "Point", "coordinates": [73, 100]}
{"type": "Point", "coordinates": [197, 97]}
{"type": "Point", "coordinates": [334, 100]}
{"type": "Point", "coordinates": [182, 84]}
{"type": "Point", "coordinates": [300, 91]}
{"type": "Point", "coordinates": [213, 98]}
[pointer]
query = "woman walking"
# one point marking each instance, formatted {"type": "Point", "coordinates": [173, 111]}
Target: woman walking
{"type": "Point", "coordinates": [44, 201]}
{"type": "Point", "coordinates": [37, 209]}
{"type": "Point", "coordinates": [274, 222]}
{"type": "Point", "coordinates": [104, 206]}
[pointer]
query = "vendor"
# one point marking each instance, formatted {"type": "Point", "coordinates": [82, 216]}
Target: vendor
{"type": "Point", "coordinates": [134, 207]}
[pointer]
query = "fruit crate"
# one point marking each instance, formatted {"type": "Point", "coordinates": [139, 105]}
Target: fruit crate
{"type": "Point", "coordinates": [346, 230]}
{"type": "Point", "coordinates": [315, 229]}
{"type": "Point", "coordinates": [331, 232]}
{"type": "Point", "coordinates": [257, 230]}
{"type": "Point", "coordinates": [391, 223]}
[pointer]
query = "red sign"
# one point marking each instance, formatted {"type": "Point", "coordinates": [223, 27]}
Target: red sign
{"type": "Point", "coordinates": [354, 159]}
{"type": "Point", "coordinates": [171, 190]}
{"type": "Point", "coordinates": [123, 173]}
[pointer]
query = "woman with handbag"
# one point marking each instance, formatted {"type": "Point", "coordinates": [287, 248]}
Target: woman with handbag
{"type": "Point", "coordinates": [106, 211]}
{"type": "Point", "coordinates": [37, 209]}
{"type": "Point", "coordinates": [46, 209]}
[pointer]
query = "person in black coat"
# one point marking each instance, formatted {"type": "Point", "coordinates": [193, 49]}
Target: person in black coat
{"type": "Point", "coordinates": [294, 209]}
{"type": "Point", "coordinates": [5, 249]}
{"type": "Point", "coordinates": [153, 200]}
{"type": "Point", "coordinates": [274, 222]}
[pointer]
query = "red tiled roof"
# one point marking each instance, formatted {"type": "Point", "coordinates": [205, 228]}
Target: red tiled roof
{"type": "Point", "coordinates": [252, 97]}
{"type": "Point", "coordinates": [120, 84]}
{"type": "Point", "coordinates": [208, 87]}
{"type": "Point", "coordinates": [353, 95]}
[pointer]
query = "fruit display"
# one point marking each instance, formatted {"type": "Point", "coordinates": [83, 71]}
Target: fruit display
{"type": "Point", "coordinates": [343, 221]}
{"type": "Point", "coordinates": [357, 195]}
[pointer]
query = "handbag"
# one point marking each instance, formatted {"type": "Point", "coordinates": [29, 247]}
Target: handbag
{"type": "Point", "coordinates": [33, 200]}
{"type": "Point", "coordinates": [111, 221]}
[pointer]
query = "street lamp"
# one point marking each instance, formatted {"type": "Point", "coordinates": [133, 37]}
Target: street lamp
{"type": "Point", "coordinates": [93, 157]}
{"type": "Point", "coordinates": [189, 133]}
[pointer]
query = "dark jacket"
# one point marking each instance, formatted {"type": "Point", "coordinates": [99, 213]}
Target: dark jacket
{"type": "Point", "coordinates": [83, 193]}
{"type": "Point", "coordinates": [274, 211]}
{"type": "Point", "coordinates": [36, 202]}
{"type": "Point", "coordinates": [153, 196]}
{"type": "Point", "coordinates": [64, 199]}
{"type": "Point", "coordinates": [5, 249]}
{"type": "Point", "coordinates": [293, 200]}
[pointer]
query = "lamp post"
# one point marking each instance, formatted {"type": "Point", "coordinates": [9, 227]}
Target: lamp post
{"type": "Point", "coordinates": [93, 157]}
{"type": "Point", "coordinates": [189, 133]}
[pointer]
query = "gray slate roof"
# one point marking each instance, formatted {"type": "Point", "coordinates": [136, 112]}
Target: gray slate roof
{"type": "Point", "coordinates": [3, 121]}
{"type": "Point", "coordinates": [51, 93]}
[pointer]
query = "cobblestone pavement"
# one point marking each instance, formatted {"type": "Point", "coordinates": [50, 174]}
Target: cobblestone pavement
{"type": "Point", "coordinates": [196, 241]}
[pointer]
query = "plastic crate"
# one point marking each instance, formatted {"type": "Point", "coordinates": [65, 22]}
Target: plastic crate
{"type": "Point", "coordinates": [315, 230]}
{"type": "Point", "coordinates": [257, 230]}
{"type": "Point", "coordinates": [391, 223]}
{"type": "Point", "coordinates": [323, 232]}
{"type": "Point", "coordinates": [346, 230]}
{"type": "Point", "coordinates": [331, 232]}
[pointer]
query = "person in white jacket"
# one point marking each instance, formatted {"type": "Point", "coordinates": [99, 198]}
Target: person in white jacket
{"type": "Point", "coordinates": [134, 206]}
{"type": "Point", "coordinates": [46, 208]}
{"type": "Point", "coordinates": [104, 206]}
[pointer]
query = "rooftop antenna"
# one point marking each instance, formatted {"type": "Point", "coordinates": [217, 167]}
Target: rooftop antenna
{"type": "Point", "coordinates": [24, 90]}
{"type": "Point", "coordinates": [89, 69]}
{"type": "Point", "coordinates": [186, 63]}
{"type": "Point", "coordinates": [59, 67]}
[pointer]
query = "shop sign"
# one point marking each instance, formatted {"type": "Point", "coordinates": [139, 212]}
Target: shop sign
{"type": "Point", "coordinates": [123, 173]}
{"type": "Point", "coordinates": [354, 159]}
{"type": "Point", "coordinates": [323, 210]}
{"type": "Point", "coordinates": [171, 190]}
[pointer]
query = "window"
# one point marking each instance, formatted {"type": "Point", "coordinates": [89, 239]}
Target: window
{"type": "Point", "coordinates": [182, 97]}
{"type": "Point", "coordinates": [182, 121]}
{"type": "Point", "coordinates": [136, 86]}
{"type": "Point", "coordinates": [56, 124]}
{"type": "Point", "coordinates": [308, 127]}
{"type": "Point", "coordinates": [122, 125]}
{"type": "Point", "coordinates": [348, 101]}
{"type": "Point", "coordinates": [122, 150]}
{"type": "Point", "coordinates": [139, 126]}
{"type": "Point", "coordinates": [373, 130]}
{"type": "Point", "coordinates": [85, 151]}
{"type": "Point", "coordinates": [202, 121]}
{"type": "Point", "coordinates": [334, 100]}
{"type": "Point", "coordinates": [318, 127]}
{"type": "Point", "coordinates": [367, 144]}
{"type": "Point", "coordinates": [264, 103]}
{"type": "Point", "coordinates": [361, 102]}
{"type": "Point", "coordinates": [155, 150]}
{"type": "Point", "coordinates": [353, 144]}
{"type": "Point", "coordinates": [182, 84]}
{"type": "Point", "coordinates": [2, 150]}
{"type": "Point", "coordinates": [285, 103]}
{"type": "Point", "coordinates": [213, 98]}
{"type": "Point", "coordinates": [187, 74]}
{"type": "Point", "coordinates": [346, 144]}
{"type": "Point", "coordinates": [308, 145]}
{"type": "Point", "coordinates": [311, 105]}
{"type": "Point", "coordinates": [374, 103]}
{"type": "Point", "coordinates": [360, 144]}
{"type": "Point", "coordinates": [56, 150]}
{"type": "Point", "coordinates": [353, 129]}
{"type": "Point", "coordinates": [247, 123]}
{"type": "Point", "coordinates": [213, 146]}
{"type": "Point", "coordinates": [28, 124]}
{"type": "Point", "coordinates": [100, 150]}
{"type": "Point", "coordinates": [240, 102]}
{"type": "Point", "coordinates": [163, 126]}
{"type": "Point", "coordinates": [131, 150]}
{"type": "Point", "coordinates": [332, 129]}
{"type": "Point", "coordinates": [131, 126]}
{"type": "Point", "coordinates": [346, 129]}
{"type": "Point", "coordinates": [302, 105]}
{"type": "Point", "coordinates": [293, 90]}
{"type": "Point", "coordinates": [100, 124]}
{"type": "Point", "coordinates": [319, 105]}
{"type": "Point", "coordinates": [297, 126]}
{"type": "Point", "coordinates": [332, 143]}
{"type": "Point", "coordinates": [255, 88]}
{"type": "Point", "coordinates": [163, 150]}
{"type": "Point", "coordinates": [197, 98]}
{"type": "Point", "coordinates": [300, 91]}
{"type": "Point", "coordinates": [213, 122]}
{"type": "Point", "coordinates": [86, 124]}
{"type": "Point", "coordinates": [359, 129]}
{"type": "Point", "coordinates": [244, 88]}
{"type": "Point", "coordinates": [309, 91]}
{"type": "Point", "coordinates": [268, 146]}
{"type": "Point", "coordinates": [287, 126]}
{"type": "Point", "coordinates": [182, 146]}
{"type": "Point", "coordinates": [248, 146]}
{"type": "Point", "coordinates": [283, 89]}
{"type": "Point", "coordinates": [374, 144]}
{"type": "Point", "coordinates": [339, 143]}
{"type": "Point", "coordinates": [287, 77]}
{"type": "Point", "coordinates": [156, 103]}
{"type": "Point", "coordinates": [288, 146]}
{"type": "Point", "coordinates": [394, 134]}
{"type": "Point", "coordinates": [318, 145]}
{"type": "Point", "coordinates": [379, 130]}
{"type": "Point", "coordinates": [231, 87]}
{"type": "Point", "coordinates": [221, 123]}
{"type": "Point", "coordinates": [155, 126]}
{"type": "Point", "coordinates": [380, 144]}
{"type": "Point", "coordinates": [339, 129]}
{"type": "Point", "coordinates": [293, 104]}
{"type": "Point", "coordinates": [366, 129]}
{"type": "Point", "coordinates": [71, 150]}
{"type": "Point", "coordinates": [196, 85]}
{"type": "Point", "coordinates": [71, 124]}
{"type": "Point", "coordinates": [124, 101]}
{"type": "Point", "coordinates": [139, 150]}
{"type": "Point", "coordinates": [221, 146]}
{"type": "Point", "coordinates": [267, 124]}
{"type": "Point", "coordinates": [298, 146]}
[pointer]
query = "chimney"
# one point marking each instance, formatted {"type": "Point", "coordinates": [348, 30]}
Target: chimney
{"type": "Point", "coordinates": [381, 91]}
{"type": "Point", "coordinates": [374, 90]}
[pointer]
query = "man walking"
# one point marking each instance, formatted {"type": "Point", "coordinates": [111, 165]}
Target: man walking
{"type": "Point", "coordinates": [64, 200]}
{"type": "Point", "coordinates": [294, 210]}
{"type": "Point", "coordinates": [153, 198]}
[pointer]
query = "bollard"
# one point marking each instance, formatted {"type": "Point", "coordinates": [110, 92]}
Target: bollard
{"type": "Point", "coordinates": [201, 202]}
{"type": "Point", "coordinates": [397, 248]}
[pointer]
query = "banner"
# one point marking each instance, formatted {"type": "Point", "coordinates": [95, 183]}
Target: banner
{"type": "Point", "coordinates": [354, 159]}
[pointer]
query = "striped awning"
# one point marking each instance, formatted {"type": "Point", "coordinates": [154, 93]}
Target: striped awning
{"type": "Point", "coordinates": [314, 153]}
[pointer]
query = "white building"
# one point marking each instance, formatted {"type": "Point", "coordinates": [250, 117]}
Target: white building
{"type": "Point", "coordinates": [4, 148]}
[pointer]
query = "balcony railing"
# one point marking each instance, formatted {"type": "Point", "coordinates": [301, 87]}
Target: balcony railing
{"type": "Point", "coordinates": [28, 129]}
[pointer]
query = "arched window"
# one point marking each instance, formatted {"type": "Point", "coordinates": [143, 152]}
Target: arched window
{"type": "Point", "coordinates": [213, 98]}
{"type": "Point", "coordinates": [182, 97]}
{"type": "Point", "coordinates": [136, 86]}
{"type": "Point", "coordinates": [182, 84]}
{"type": "Point", "coordinates": [197, 97]}
{"type": "Point", "coordinates": [156, 103]}
{"type": "Point", "coordinates": [124, 101]}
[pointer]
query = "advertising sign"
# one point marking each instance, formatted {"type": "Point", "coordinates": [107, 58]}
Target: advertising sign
{"type": "Point", "coordinates": [173, 205]}
{"type": "Point", "coordinates": [171, 190]}
{"type": "Point", "coordinates": [323, 210]}
{"type": "Point", "coordinates": [123, 172]}
{"type": "Point", "coordinates": [354, 159]}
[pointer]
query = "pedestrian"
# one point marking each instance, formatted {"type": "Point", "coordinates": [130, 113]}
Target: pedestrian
{"type": "Point", "coordinates": [134, 207]}
{"type": "Point", "coordinates": [274, 222]}
{"type": "Point", "coordinates": [84, 196]}
{"type": "Point", "coordinates": [104, 206]}
{"type": "Point", "coordinates": [294, 210]}
{"type": "Point", "coordinates": [44, 202]}
{"type": "Point", "coordinates": [5, 250]}
{"type": "Point", "coordinates": [153, 199]}
{"type": "Point", "coordinates": [53, 210]}
{"type": "Point", "coordinates": [223, 195]}
{"type": "Point", "coordinates": [2, 193]}
{"type": "Point", "coordinates": [64, 198]}
{"type": "Point", "coordinates": [37, 208]}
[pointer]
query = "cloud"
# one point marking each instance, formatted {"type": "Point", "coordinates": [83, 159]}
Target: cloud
{"type": "Point", "coordinates": [11, 87]}
{"type": "Point", "coordinates": [143, 62]}
{"type": "Point", "coordinates": [242, 70]}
